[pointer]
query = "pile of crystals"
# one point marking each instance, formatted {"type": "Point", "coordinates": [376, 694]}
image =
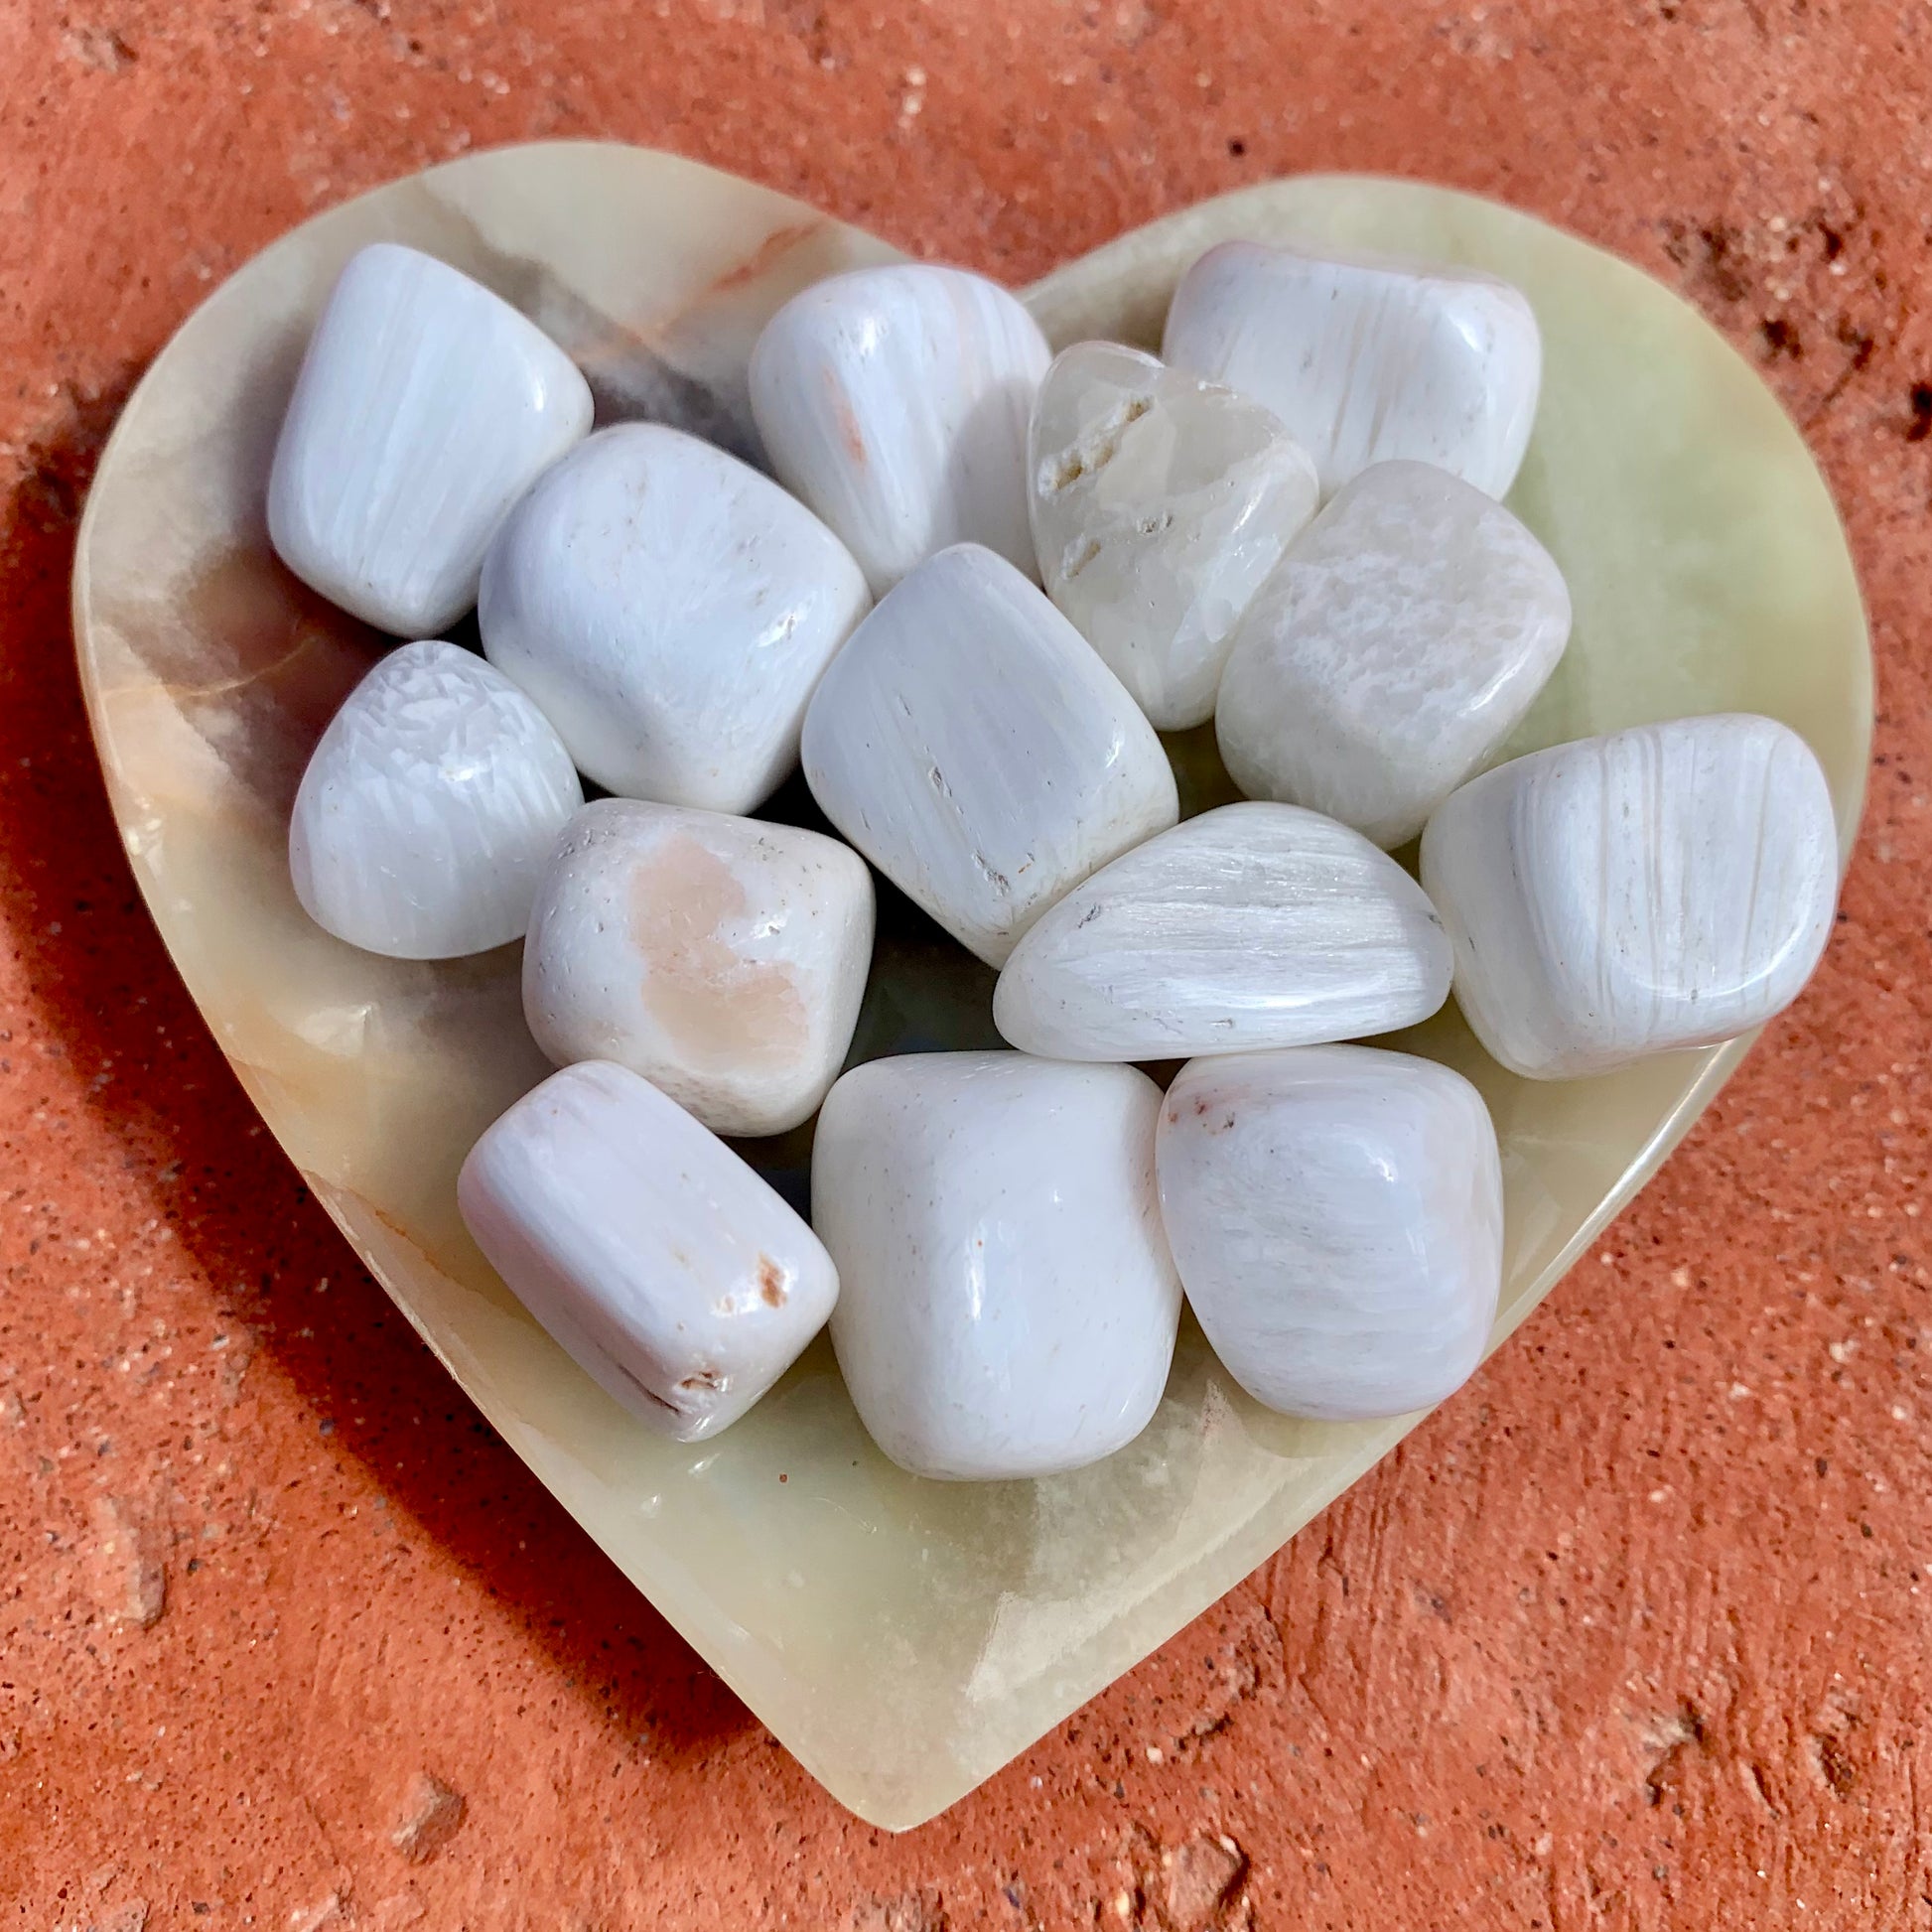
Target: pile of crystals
{"type": "Point", "coordinates": [976, 584]}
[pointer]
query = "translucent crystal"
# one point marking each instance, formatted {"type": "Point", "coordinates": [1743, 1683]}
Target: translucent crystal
{"type": "Point", "coordinates": [1160, 502]}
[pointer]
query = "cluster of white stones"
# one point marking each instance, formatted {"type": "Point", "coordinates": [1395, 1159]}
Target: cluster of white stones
{"type": "Point", "coordinates": [1290, 524]}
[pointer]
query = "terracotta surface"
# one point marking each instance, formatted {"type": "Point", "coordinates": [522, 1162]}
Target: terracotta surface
{"type": "Point", "coordinates": [288, 1640]}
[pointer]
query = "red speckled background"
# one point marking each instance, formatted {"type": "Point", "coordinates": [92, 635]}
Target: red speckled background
{"type": "Point", "coordinates": [1633, 1634]}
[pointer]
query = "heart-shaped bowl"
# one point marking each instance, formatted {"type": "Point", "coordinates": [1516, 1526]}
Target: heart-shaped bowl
{"type": "Point", "coordinates": [903, 1638]}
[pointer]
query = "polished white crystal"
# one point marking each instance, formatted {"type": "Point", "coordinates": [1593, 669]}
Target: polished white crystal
{"type": "Point", "coordinates": [674, 1276]}
{"type": "Point", "coordinates": [1366, 357]}
{"type": "Point", "coordinates": [1159, 502]}
{"type": "Point", "coordinates": [722, 958]}
{"type": "Point", "coordinates": [1406, 632]}
{"type": "Point", "coordinates": [424, 408]}
{"type": "Point", "coordinates": [1663, 886]}
{"type": "Point", "coordinates": [978, 753]}
{"type": "Point", "coordinates": [894, 402]}
{"type": "Point", "coordinates": [1008, 1305]}
{"type": "Point", "coordinates": [1254, 925]}
{"type": "Point", "coordinates": [671, 610]}
{"type": "Point", "coordinates": [428, 808]}
{"type": "Point", "coordinates": [1336, 1216]}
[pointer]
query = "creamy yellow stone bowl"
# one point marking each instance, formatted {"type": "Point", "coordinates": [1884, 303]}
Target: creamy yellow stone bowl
{"type": "Point", "coordinates": [903, 1638]}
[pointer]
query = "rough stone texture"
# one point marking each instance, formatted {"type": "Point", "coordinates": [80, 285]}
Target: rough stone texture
{"type": "Point", "coordinates": [431, 1813]}
{"type": "Point", "coordinates": [1505, 1682]}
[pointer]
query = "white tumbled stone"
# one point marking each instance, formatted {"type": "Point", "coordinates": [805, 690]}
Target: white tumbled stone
{"type": "Point", "coordinates": [428, 808]}
{"type": "Point", "coordinates": [668, 1271]}
{"type": "Point", "coordinates": [970, 744]}
{"type": "Point", "coordinates": [1664, 886]}
{"type": "Point", "coordinates": [894, 402]}
{"type": "Point", "coordinates": [1336, 1216]}
{"type": "Point", "coordinates": [671, 610]}
{"type": "Point", "coordinates": [1400, 642]}
{"type": "Point", "coordinates": [722, 958]}
{"type": "Point", "coordinates": [1365, 358]}
{"type": "Point", "coordinates": [1160, 502]}
{"type": "Point", "coordinates": [1007, 1306]}
{"type": "Point", "coordinates": [1254, 925]}
{"type": "Point", "coordinates": [424, 408]}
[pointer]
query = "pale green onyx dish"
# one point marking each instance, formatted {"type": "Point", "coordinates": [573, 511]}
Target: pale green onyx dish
{"type": "Point", "coordinates": [903, 1638]}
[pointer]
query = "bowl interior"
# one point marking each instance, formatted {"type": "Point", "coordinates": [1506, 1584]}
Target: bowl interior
{"type": "Point", "coordinates": [902, 1638]}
